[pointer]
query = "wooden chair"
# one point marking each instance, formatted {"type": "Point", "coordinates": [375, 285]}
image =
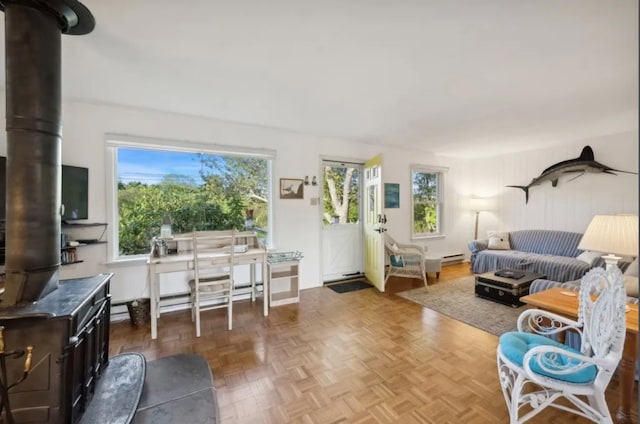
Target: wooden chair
{"type": "Point", "coordinates": [405, 260]}
{"type": "Point", "coordinates": [536, 372]}
{"type": "Point", "coordinates": [212, 285]}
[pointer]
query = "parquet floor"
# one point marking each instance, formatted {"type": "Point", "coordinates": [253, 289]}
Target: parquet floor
{"type": "Point", "coordinates": [358, 357]}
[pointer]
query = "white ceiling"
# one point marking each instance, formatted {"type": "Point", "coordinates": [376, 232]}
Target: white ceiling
{"type": "Point", "coordinates": [458, 77]}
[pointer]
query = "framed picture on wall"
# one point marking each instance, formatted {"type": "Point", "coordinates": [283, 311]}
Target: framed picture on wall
{"type": "Point", "coordinates": [391, 195]}
{"type": "Point", "coordinates": [291, 188]}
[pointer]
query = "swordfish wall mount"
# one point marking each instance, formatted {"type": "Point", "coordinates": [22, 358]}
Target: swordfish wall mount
{"type": "Point", "coordinates": [580, 165]}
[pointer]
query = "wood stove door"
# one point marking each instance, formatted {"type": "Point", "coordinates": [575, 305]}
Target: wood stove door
{"type": "Point", "coordinates": [89, 355]}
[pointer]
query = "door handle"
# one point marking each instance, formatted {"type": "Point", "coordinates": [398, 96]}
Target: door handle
{"type": "Point", "coordinates": [384, 218]}
{"type": "Point", "coordinates": [380, 230]}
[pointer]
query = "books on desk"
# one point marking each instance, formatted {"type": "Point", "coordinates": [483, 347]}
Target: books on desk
{"type": "Point", "coordinates": [240, 248]}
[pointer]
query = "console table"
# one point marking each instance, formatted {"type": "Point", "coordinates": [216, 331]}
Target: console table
{"type": "Point", "coordinates": [183, 261]}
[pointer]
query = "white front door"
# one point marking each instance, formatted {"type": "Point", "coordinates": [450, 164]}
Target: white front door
{"type": "Point", "coordinates": [373, 225]}
{"type": "Point", "coordinates": [342, 252]}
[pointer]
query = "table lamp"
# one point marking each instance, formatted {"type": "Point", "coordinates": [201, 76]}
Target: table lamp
{"type": "Point", "coordinates": [616, 235]}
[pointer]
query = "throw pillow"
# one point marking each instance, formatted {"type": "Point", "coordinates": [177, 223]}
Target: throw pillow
{"type": "Point", "coordinates": [633, 269]}
{"type": "Point", "coordinates": [498, 240]}
{"type": "Point", "coordinates": [394, 247]}
{"type": "Point", "coordinates": [631, 285]}
{"type": "Point", "coordinates": [589, 257]}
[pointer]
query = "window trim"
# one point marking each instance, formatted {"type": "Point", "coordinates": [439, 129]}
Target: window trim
{"type": "Point", "coordinates": [113, 141]}
{"type": "Point", "coordinates": [440, 203]}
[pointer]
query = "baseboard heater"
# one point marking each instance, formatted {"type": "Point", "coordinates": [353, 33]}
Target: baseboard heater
{"type": "Point", "coordinates": [453, 258]}
{"type": "Point", "coordinates": [176, 302]}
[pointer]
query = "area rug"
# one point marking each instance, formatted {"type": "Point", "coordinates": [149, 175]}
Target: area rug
{"type": "Point", "coordinates": [457, 300]}
{"type": "Point", "coordinates": [349, 286]}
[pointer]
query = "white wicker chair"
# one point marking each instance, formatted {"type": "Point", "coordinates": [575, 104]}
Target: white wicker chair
{"type": "Point", "coordinates": [550, 371]}
{"type": "Point", "coordinates": [405, 260]}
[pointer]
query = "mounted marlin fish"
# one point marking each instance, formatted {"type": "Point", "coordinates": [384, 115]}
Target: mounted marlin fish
{"type": "Point", "coordinates": [585, 163]}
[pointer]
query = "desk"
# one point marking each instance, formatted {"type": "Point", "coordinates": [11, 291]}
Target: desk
{"type": "Point", "coordinates": [552, 300]}
{"type": "Point", "coordinates": [183, 261]}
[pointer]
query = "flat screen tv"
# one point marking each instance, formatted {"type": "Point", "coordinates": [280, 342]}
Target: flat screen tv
{"type": "Point", "coordinates": [75, 197]}
{"type": "Point", "coordinates": [75, 193]}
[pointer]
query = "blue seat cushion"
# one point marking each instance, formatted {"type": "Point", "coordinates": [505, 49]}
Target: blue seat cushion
{"type": "Point", "coordinates": [514, 345]}
{"type": "Point", "coordinates": [401, 261]}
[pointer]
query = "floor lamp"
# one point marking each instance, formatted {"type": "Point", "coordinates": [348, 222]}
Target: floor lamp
{"type": "Point", "coordinates": [478, 204]}
{"type": "Point", "coordinates": [612, 234]}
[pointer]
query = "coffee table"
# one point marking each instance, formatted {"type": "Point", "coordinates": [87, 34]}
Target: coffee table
{"type": "Point", "coordinates": [505, 290]}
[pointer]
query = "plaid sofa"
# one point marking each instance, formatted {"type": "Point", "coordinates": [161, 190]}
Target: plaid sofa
{"type": "Point", "coordinates": [548, 252]}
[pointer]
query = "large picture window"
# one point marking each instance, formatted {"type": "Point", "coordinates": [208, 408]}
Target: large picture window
{"type": "Point", "coordinates": [427, 201]}
{"type": "Point", "coordinates": [193, 188]}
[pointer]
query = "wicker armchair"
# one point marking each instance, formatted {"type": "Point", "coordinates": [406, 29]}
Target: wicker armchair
{"type": "Point", "coordinates": [405, 260]}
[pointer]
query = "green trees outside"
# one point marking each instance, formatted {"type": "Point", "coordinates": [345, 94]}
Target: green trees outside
{"type": "Point", "coordinates": [231, 190]}
{"type": "Point", "coordinates": [425, 202]}
{"type": "Point", "coordinates": [341, 188]}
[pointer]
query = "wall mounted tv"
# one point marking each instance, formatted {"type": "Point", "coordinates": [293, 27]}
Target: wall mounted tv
{"type": "Point", "coordinates": [75, 191]}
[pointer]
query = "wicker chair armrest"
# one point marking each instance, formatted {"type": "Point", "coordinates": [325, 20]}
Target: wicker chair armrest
{"type": "Point", "coordinates": [410, 249]}
{"type": "Point", "coordinates": [544, 356]}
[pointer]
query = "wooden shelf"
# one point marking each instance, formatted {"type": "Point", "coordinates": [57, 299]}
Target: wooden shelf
{"type": "Point", "coordinates": [84, 244]}
{"type": "Point", "coordinates": [283, 283]}
{"type": "Point", "coordinates": [70, 263]}
{"type": "Point", "coordinates": [83, 224]}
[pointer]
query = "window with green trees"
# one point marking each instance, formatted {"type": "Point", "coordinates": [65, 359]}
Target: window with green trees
{"type": "Point", "coordinates": [426, 201]}
{"type": "Point", "coordinates": [341, 192]}
{"type": "Point", "coordinates": [198, 191]}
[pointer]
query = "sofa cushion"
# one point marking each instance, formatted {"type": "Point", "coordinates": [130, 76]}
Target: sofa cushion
{"type": "Point", "coordinates": [546, 242]}
{"type": "Point", "coordinates": [498, 240]}
{"type": "Point", "coordinates": [557, 268]}
{"type": "Point", "coordinates": [589, 257]}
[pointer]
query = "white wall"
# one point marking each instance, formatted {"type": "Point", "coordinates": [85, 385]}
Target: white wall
{"type": "Point", "coordinates": [569, 206]}
{"type": "Point", "coordinates": [296, 221]}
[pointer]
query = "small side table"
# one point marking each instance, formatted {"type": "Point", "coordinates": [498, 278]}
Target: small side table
{"type": "Point", "coordinates": [283, 271]}
{"type": "Point", "coordinates": [433, 264]}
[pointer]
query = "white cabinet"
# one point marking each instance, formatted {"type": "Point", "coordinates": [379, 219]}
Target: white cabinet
{"type": "Point", "coordinates": [283, 283]}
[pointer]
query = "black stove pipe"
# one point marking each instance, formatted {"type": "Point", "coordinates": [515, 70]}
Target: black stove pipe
{"type": "Point", "coordinates": [33, 31]}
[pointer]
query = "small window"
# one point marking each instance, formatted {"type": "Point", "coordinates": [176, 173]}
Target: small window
{"type": "Point", "coordinates": [427, 201]}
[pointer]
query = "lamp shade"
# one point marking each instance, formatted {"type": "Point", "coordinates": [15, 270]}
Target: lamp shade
{"type": "Point", "coordinates": [613, 234]}
{"type": "Point", "coordinates": [479, 204]}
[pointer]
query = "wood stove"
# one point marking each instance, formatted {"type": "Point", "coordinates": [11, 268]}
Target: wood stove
{"type": "Point", "coordinates": [69, 331]}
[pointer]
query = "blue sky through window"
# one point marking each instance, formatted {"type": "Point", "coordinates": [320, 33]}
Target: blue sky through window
{"type": "Point", "coordinates": [151, 166]}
